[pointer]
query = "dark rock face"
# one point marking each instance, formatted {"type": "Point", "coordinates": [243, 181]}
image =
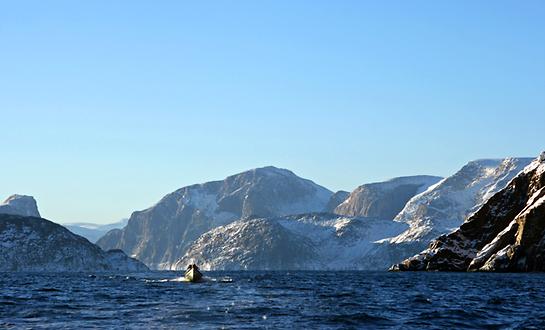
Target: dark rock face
{"type": "Point", "coordinates": [20, 205]}
{"type": "Point", "coordinates": [35, 244]}
{"type": "Point", "coordinates": [160, 235]}
{"type": "Point", "coordinates": [336, 199]}
{"type": "Point", "coordinates": [384, 199]}
{"type": "Point", "coordinates": [506, 234]}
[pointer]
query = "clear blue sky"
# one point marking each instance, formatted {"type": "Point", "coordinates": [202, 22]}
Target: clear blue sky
{"type": "Point", "coordinates": [106, 106]}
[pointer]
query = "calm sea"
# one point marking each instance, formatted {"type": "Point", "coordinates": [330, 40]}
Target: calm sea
{"type": "Point", "coordinates": [274, 300]}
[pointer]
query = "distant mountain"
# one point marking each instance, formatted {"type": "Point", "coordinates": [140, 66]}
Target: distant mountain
{"type": "Point", "coordinates": [93, 231]}
{"type": "Point", "coordinates": [309, 241]}
{"type": "Point", "coordinates": [336, 199]}
{"type": "Point", "coordinates": [20, 205]}
{"type": "Point", "coordinates": [35, 244]}
{"type": "Point", "coordinates": [392, 220]}
{"type": "Point", "coordinates": [384, 200]}
{"type": "Point", "coordinates": [160, 236]}
{"type": "Point", "coordinates": [506, 233]}
{"type": "Point", "coordinates": [27, 206]}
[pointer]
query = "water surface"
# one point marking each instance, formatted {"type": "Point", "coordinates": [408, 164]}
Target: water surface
{"type": "Point", "coordinates": [274, 300]}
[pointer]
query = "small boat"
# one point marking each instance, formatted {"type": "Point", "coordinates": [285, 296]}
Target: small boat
{"type": "Point", "coordinates": [192, 273]}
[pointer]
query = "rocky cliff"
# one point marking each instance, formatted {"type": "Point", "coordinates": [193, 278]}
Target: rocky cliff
{"type": "Point", "coordinates": [384, 199]}
{"type": "Point", "coordinates": [507, 233]}
{"type": "Point", "coordinates": [336, 199]}
{"type": "Point", "coordinates": [443, 207]}
{"type": "Point", "coordinates": [21, 205]}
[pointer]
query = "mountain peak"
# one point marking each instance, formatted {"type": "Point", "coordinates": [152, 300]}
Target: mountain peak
{"type": "Point", "coordinates": [20, 205]}
{"type": "Point", "coordinates": [193, 210]}
{"type": "Point", "coordinates": [15, 197]}
{"type": "Point", "coordinates": [272, 170]}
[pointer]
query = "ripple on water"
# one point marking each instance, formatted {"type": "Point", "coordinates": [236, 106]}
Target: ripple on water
{"type": "Point", "coordinates": [274, 300]}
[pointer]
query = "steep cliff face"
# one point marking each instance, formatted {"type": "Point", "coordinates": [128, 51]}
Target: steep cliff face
{"type": "Point", "coordinates": [35, 244]}
{"type": "Point", "coordinates": [20, 205]}
{"type": "Point", "coordinates": [507, 233]}
{"type": "Point", "coordinates": [384, 199]}
{"type": "Point", "coordinates": [160, 235]}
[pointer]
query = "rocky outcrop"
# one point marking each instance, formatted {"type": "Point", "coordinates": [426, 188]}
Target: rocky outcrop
{"type": "Point", "coordinates": [384, 199]}
{"type": "Point", "coordinates": [160, 235]}
{"type": "Point", "coordinates": [507, 233]}
{"type": "Point", "coordinates": [36, 244]}
{"type": "Point", "coordinates": [20, 205]}
{"type": "Point", "coordinates": [305, 242]}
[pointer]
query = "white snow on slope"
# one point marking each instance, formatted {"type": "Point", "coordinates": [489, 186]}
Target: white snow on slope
{"type": "Point", "coordinates": [341, 242]}
{"type": "Point", "coordinates": [443, 207]}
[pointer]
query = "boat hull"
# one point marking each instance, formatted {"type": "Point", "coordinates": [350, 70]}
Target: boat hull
{"type": "Point", "coordinates": [193, 275]}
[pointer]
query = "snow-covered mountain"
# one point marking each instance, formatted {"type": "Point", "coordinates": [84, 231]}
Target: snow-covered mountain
{"type": "Point", "coordinates": [445, 206]}
{"type": "Point", "coordinates": [384, 199]}
{"type": "Point", "coordinates": [160, 235]}
{"type": "Point", "coordinates": [27, 206]}
{"type": "Point", "coordinates": [507, 233]}
{"type": "Point", "coordinates": [93, 231]}
{"type": "Point", "coordinates": [307, 241]}
{"type": "Point", "coordinates": [322, 241]}
{"type": "Point", "coordinates": [250, 244]}
{"type": "Point", "coordinates": [36, 244]}
{"type": "Point", "coordinates": [20, 205]}
{"type": "Point", "coordinates": [202, 222]}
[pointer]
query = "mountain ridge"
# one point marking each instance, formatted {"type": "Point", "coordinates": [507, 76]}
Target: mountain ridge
{"type": "Point", "coordinates": [20, 205]}
{"type": "Point", "coordinates": [37, 244]}
{"type": "Point", "coordinates": [160, 234]}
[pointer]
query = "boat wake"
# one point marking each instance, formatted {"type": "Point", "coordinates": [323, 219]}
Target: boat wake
{"type": "Point", "coordinates": [183, 279]}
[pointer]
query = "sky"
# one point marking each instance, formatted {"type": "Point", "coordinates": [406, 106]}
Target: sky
{"type": "Point", "coordinates": [106, 106]}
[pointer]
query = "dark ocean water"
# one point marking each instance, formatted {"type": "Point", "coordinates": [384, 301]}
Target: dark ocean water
{"type": "Point", "coordinates": [274, 300]}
